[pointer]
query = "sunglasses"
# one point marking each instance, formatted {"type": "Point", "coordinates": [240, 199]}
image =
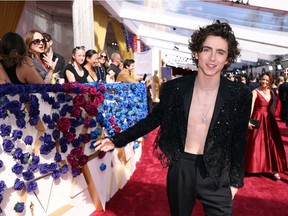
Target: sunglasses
{"type": "Point", "coordinates": [103, 56]}
{"type": "Point", "coordinates": [38, 41]}
{"type": "Point", "coordinates": [79, 47]}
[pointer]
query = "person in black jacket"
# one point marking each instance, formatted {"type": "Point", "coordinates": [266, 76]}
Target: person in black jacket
{"type": "Point", "coordinates": [52, 56]}
{"type": "Point", "coordinates": [203, 123]}
{"type": "Point", "coordinates": [283, 96]}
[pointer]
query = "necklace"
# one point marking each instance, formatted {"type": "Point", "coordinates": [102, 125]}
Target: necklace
{"type": "Point", "coordinates": [204, 116]}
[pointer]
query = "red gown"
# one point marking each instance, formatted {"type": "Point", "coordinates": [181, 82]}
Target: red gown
{"type": "Point", "coordinates": [265, 150]}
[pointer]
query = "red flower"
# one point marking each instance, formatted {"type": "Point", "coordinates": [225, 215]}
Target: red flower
{"type": "Point", "coordinates": [76, 112]}
{"type": "Point", "coordinates": [102, 88]}
{"type": "Point", "coordinates": [72, 160]}
{"type": "Point", "coordinates": [91, 90]}
{"type": "Point", "coordinates": [63, 124]}
{"type": "Point", "coordinates": [83, 159]}
{"type": "Point", "coordinates": [79, 100]}
{"type": "Point", "coordinates": [91, 108]}
{"type": "Point", "coordinates": [70, 136]}
{"type": "Point", "coordinates": [77, 151]}
{"type": "Point", "coordinates": [87, 122]}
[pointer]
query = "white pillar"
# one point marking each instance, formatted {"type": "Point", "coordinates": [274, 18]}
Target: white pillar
{"type": "Point", "coordinates": [83, 23]}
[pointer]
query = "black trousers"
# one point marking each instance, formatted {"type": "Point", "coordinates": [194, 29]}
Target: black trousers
{"type": "Point", "coordinates": [187, 181]}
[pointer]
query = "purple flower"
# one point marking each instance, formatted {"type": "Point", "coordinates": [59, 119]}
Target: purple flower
{"type": "Point", "coordinates": [2, 187]}
{"type": "Point", "coordinates": [17, 134]}
{"type": "Point", "coordinates": [19, 207]}
{"type": "Point", "coordinates": [20, 123]}
{"type": "Point", "coordinates": [17, 168]}
{"type": "Point", "coordinates": [28, 176]}
{"type": "Point", "coordinates": [45, 138]}
{"type": "Point", "coordinates": [17, 153]}
{"type": "Point", "coordinates": [44, 168]}
{"type": "Point", "coordinates": [34, 120]}
{"type": "Point", "coordinates": [45, 149]}
{"type": "Point", "coordinates": [5, 130]}
{"type": "Point", "coordinates": [32, 167]}
{"type": "Point", "coordinates": [57, 157]}
{"type": "Point", "coordinates": [18, 184]}
{"type": "Point", "coordinates": [35, 159]}
{"type": "Point", "coordinates": [56, 134]}
{"type": "Point", "coordinates": [25, 158]}
{"type": "Point", "coordinates": [31, 186]}
{"type": "Point", "coordinates": [8, 145]}
{"type": "Point", "coordinates": [63, 141]}
{"type": "Point", "coordinates": [24, 98]}
{"type": "Point", "coordinates": [28, 140]}
{"type": "Point", "coordinates": [56, 174]}
{"type": "Point", "coordinates": [1, 164]}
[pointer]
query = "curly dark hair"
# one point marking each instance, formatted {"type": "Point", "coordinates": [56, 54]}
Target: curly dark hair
{"type": "Point", "coordinates": [270, 75]}
{"type": "Point", "coordinates": [12, 49]}
{"type": "Point", "coordinates": [217, 28]}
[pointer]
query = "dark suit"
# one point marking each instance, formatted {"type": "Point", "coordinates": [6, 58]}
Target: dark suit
{"type": "Point", "coordinates": [224, 150]}
{"type": "Point", "coordinates": [60, 66]}
{"type": "Point", "coordinates": [283, 96]}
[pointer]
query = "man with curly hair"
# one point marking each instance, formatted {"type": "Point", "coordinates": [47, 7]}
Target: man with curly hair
{"type": "Point", "coordinates": [203, 121]}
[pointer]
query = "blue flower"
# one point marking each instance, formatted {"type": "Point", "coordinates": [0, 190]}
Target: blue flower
{"type": "Point", "coordinates": [18, 184]}
{"type": "Point", "coordinates": [56, 134]}
{"type": "Point", "coordinates": [17, 168]}
{"type": "Point", "coordinates": [56, 174]}
{"type": "Point", "coordinates": [19, 207]}
{"type": "Point", "coordinates": [17, 153]}
{"type": "Point", "coordinates": [57, 157]}
{"type": "Point", "coordinates": [64, 169]}
{"type": "Point", "coordinates": [5, 130]}
{"type": "Point", "coordinates": [25, 158]}
{"type": "Point", "coordinates": [32, 167]}
{"type": "Point", "coordinates": [17, 134]}
{"type": "Point", "coordinates": [103, 167]}
{"type": "Point", "coordinates": [28, 175]}
{"type": "Point", "coordinates": [2, 187]}
{"type": "Point", "coordinates": [8, 145]}
{"type": "Point", "coordinates": [45, 149]}
{"type": "Point", "coordinates": [31, 186]}
{"type": "Point", "coordinates": [35, 159]}
{"type": "Point", "coordinates": [28, 140]}
{"type": "Point", "coordinates": [1, 164]}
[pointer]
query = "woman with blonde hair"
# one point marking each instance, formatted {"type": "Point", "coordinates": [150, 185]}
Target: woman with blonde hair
{"type": "Point", "coordinates": [75, 71]}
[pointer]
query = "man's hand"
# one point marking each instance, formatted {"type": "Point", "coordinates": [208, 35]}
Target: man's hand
{"type": "Point", "coordinates": [234, 190]}
{"type": "Point", "coordinates": [104, 145]}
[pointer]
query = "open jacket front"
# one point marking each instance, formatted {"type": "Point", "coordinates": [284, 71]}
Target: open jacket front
{"type": "Point", "coordinates": [224, 149]}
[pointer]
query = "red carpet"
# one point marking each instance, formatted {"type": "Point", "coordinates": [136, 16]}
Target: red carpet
{"type": "Point", "coordinates": [145, 193]}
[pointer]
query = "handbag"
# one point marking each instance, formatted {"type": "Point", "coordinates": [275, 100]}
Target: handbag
{"type": "Point", "coordinates": [255, 122]}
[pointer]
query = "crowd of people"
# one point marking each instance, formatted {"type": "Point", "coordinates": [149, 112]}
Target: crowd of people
{"type": "Point", "coordinates": [31, 60]}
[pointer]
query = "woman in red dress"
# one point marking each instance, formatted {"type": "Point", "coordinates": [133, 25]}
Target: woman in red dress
{"type": "Point", "coordinates": [265, 149]}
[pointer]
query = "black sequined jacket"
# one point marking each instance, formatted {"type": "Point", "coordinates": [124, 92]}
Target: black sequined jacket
{"type": "Point", "coordinates": [224, 149]}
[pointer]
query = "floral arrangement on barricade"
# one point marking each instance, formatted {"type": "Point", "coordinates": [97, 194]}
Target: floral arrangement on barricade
{"type": "Point", "coordinates": [66, 117]}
